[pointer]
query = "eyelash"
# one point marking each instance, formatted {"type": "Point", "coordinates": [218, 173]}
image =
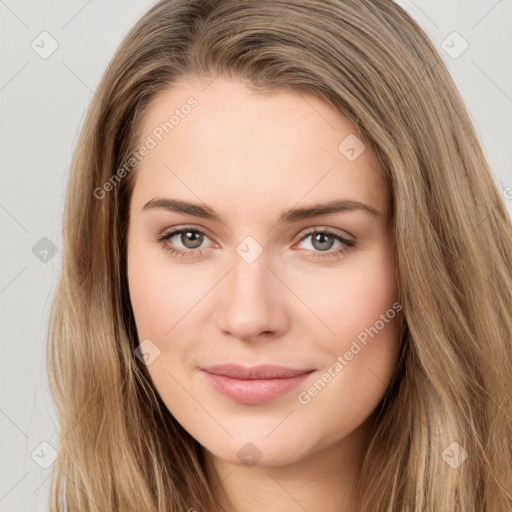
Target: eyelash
{"type": "Point", "coordinates": [197, 253]}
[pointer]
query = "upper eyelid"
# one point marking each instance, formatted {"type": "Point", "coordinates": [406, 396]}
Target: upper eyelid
{"type": "Point", "coordinates": [176, 230]}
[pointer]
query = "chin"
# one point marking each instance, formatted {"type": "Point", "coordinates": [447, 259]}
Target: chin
{"type": "Point", "coordinates": [255, 454]}
{"type": "Point", "coordinates": [258, 447]}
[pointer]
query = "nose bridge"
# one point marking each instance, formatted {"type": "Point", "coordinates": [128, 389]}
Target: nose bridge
{"type": "Point", "coordinates": [251, 300]}
{"type": "Point", "coordinates": [250, 277]}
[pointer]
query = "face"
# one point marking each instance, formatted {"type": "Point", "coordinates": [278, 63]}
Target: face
{"type": "Point", "coordinates": [253, 276]}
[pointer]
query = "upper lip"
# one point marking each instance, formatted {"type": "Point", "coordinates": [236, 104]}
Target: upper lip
{"type": "Point", "coordinates": [266, 371]}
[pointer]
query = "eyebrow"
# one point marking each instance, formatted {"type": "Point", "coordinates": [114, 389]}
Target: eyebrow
{"type": "Point", "coordinates": [287, 216]}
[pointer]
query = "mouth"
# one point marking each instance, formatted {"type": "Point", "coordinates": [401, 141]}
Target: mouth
{"type": "Point", "coordinates": [254, 385]}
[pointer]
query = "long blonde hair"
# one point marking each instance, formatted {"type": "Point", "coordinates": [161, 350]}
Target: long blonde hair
{"type": "Point", "coordinates": [119, 448]}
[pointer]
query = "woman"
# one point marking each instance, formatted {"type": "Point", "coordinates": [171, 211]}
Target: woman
{"type": "Point", "coordinates": [286, 275]}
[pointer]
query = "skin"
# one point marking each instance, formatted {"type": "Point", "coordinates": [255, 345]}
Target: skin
{"type": "Point", "coordinates": [249, 157]}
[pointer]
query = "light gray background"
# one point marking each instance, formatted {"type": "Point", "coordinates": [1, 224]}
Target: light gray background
{"type": "Point", "coordinates": [43, 102]}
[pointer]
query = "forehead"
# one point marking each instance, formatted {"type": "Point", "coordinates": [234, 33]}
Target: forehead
{"type": "Point", "coordinates": [224, 139]}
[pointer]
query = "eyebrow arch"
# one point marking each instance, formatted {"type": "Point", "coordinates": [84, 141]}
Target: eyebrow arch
{"type": "Point", "coordinates": [287, 216]}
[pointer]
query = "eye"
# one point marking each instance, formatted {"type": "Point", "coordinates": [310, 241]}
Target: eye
{"type": "Point", "coordinates": [324, 239]}
{"type": "Point", "coordinates": [191, 238]}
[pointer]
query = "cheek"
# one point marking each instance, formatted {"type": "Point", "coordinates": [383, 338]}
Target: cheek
{"type": "Point", "coordinates": [352, 299]}
{"type": "Point", "coordinates": [361, 352]}
{"type": "Point", "coordinates": [161, 299]}
{"type": "Point", "coordinates": [360, 315]}
{"type": "Point", "coordinates": [160, 296]}
{"type": "Point", "coordinates": [150, 300]}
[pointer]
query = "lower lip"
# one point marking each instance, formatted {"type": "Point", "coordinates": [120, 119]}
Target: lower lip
{"type": "Point", "coordinates": [253, 391]}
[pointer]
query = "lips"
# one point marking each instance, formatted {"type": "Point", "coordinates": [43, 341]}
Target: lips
{"type": "Point", "coordinates": [253, 385]}
{"type": "Point", "coordinates": [254, 372]}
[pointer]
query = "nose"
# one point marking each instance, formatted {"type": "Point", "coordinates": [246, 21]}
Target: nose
{"type": "Point", "coordinates": [252, 302]}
